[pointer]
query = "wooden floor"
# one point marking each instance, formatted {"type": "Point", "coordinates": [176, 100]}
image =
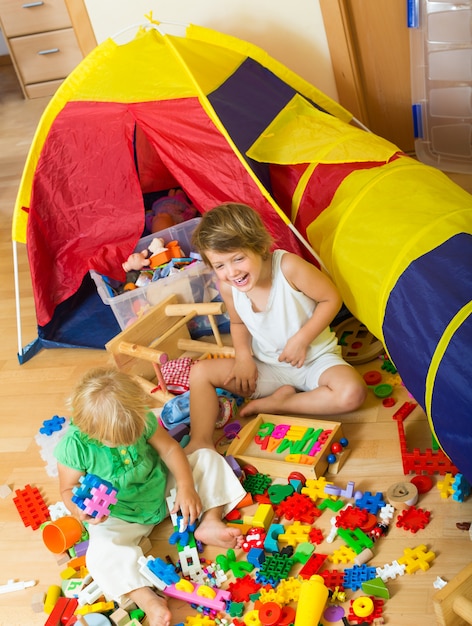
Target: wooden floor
{"type": "Point", "coordinates": [35, 391]}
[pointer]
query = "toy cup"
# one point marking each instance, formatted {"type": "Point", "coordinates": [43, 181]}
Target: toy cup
{"type": "Point", "coordinates": [62, 534]}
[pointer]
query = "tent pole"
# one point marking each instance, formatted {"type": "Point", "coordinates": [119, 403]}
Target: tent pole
{"type": "Point", "coordinates": [17, 298]}
{"type": "Point", "coordinates": [307, 246]}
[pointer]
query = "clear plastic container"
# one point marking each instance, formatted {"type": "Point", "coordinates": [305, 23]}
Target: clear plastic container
{"type": "Point", "coordinates": [195, 283]}
{"type": "Point", "coordinates": [441, 82]}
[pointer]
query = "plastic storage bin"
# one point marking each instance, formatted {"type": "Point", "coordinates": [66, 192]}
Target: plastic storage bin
{"type": "Point", "coordinates": [195, 283]}
{"type": "Point", "coordinates": [441, 82]}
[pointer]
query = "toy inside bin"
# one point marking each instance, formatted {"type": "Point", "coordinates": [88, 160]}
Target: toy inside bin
{"type": "Point", "coordinates": [193, 283]}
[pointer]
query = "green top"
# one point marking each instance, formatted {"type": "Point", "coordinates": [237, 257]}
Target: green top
{"type": "Point", "coordinates": [137, 472]}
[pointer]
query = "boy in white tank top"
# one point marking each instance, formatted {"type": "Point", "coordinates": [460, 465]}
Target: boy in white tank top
{"type": "Point", "coordinates": [287, 360]}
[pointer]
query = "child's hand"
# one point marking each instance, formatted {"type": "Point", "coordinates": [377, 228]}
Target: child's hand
{"type": "Point", "coordinates": [294, 352]}
{"type": "Point", "coordinates": [188, 503]}
{"type": "Point", "coordinates": [243, 377]}
{"type": "Point", "coordinates": [84, 518]}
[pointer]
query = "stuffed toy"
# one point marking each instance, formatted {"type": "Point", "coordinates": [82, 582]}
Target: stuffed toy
{"type": "Point", "coordinates": [169, 210]}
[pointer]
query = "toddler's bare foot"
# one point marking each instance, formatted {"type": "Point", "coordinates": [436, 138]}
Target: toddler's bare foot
{"type": "Point", "coordinates": [194, 444]}
{"type": "Point", "coordinates": [270, 404]}
{"type": "Point", "coordinates": [155, 607]}
{"type": "Point", "coordinates": [214, 532]}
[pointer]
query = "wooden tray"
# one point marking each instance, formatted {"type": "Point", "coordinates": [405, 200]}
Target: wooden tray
{"type": "Point", "coordinates": [248, 451]}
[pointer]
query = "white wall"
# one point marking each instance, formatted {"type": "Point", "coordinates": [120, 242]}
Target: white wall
{"type": "Point", "coordinates": [3, 45]}
{"type": "Point", "coordinates": [290, 31]}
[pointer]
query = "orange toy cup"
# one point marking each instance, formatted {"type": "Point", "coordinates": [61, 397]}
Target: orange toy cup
{"type": "Point", "coordinates": [62, 534]}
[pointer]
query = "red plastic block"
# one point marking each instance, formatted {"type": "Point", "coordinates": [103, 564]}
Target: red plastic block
{"type": "Point", "coordinates": [31, 507]}
{"type": "Point", "coordinates": [413, 519]}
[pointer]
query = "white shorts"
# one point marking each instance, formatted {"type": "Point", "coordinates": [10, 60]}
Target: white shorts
{"type": "Point", "coordinates": [113, 552]}
{"type": "Point", "coordinates": [271, 376]}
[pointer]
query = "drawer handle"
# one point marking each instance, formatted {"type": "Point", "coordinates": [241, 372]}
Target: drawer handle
{"type": "Point", "coordinates": [50, 51]}
{"type": "Point", "coordinates": [30, 5]}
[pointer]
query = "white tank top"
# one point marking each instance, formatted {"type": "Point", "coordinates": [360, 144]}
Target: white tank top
{"type": "Point", "coordinates": [286, 312]}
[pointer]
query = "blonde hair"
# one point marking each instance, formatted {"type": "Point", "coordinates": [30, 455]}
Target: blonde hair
{"type": "Point", "coordinates": [231, 226]}
{"type": "Point", "coordinates": [109, 406]}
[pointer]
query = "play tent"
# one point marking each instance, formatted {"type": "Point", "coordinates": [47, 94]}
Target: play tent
{"type": "Point", "coordinates": [224, 121]}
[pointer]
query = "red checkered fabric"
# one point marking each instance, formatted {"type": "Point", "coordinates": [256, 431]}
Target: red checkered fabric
{"type": "Point", "coordinates": [176, 374]}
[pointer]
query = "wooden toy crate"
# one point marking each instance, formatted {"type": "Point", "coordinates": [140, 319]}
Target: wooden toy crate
{"type": "Point", "coordinates": [247, 451]}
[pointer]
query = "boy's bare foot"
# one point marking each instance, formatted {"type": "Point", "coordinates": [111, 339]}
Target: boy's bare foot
{"type": "Point", "coordinates": [155, 607]}
{"type": "Point", "coordinates": [214, 532]}
{"type": "Point", "coordinates": [270, 404]}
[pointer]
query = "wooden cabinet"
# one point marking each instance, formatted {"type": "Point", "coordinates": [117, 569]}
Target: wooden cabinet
{"type": "Point", "coordinates": [42, 42]}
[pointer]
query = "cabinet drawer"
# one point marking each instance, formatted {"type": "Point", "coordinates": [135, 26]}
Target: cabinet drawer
{"type": "Point", "coordinates": [24, 17]}
{"type": "Point", "coordinates": [47, 56]}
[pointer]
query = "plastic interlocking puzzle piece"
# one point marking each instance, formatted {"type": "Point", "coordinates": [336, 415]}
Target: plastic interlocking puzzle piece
{"type": "Point", "coordinates": [413, 519]}
{"type": "Point", "coordinates": [316, 536]}
{"type": "Point", "coordinates": [370, 502]}
{"type": "Point", "coordinates": [462, 488]}
{"type": "Point", "coordinates": [294, 534]}
{"type": "Point", "coordinates": [298, 507]}
{"type": "Point", "coordinates": [274, 568]}
{"type": "Point", "coordinates": [164, 571]}
{"type": "Point", "coordinates": [242, 588]}
{"type": "Point", "coordinates": [355, 539]}
{"type": "Point", "coordinates": [229, 562]}
{"type": "Point", "coordinates": [445, 486]}
{"type": "Point", "coordinates": [417, 558]}
{"type": "Point", "coordinates": [351, 517]}
{"type": "Point", "coordinates": [31, 507]}
{"type": "Point", "coordinates": [343, 554]}
{"type": "Point", "coordinates": [52, 425]}
{"type": "Point", "coordinates": [390, 571]}
{"type": "Point", "coordinates": [355, 576]}
{"type": "Point", "coordinates": [333, 578]}
{"type": "Point", "coordinates": [315, 488]}
{"type": "Point", "coordinates": [257, 483]}
{"type": "Point", "coordinates": [94, 495]}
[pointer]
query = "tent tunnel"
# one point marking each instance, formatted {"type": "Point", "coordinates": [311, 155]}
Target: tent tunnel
{"type": "Point", "coordinates": [219, 118]}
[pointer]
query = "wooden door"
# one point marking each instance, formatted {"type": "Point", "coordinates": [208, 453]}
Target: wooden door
{"type": "Point", "coordinates": [370, 52]}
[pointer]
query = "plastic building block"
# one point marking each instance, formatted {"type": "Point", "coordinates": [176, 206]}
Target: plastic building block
{"type": "Point", "coordinates": [312, 601]}
{"type": "Point", "coordinates": [256, 556]}
{"type": "Point", "coordinates": [4, 491]}
{"type": "Point", "coordinates": [303, 551]}
{"type": "Point", "coordinates": [316, 488]}
{"type": "Point", "coordinates": [390, 571]}
{"type": "Point", "coordinates": [52, 595]}
{"type": "Point", "coordinates": [278, 493]}
{"type": "Point", "coordinates": [257, 483]}
{"type": "Point", "coordinates": [445, 486]}
{"type": "Point", "coordinates": [413, 519]}
{"type": "Point", "coordinates": [31, 507]}
{"type": "Point", "coordinates": [333, 578]}
{"type": "Point", "coordinates": [229, 562]}
{"type": "Point", "coordinates": [370, 502]}
{"type": "Point", "coordinates": [89, 594]}
{"type": "Point", "coordinates": [164, 571]}
{"type": "Point", "coordinates": [298, 507]}
{"type": "Point", "coordinates": [270, 543]}
{"type": "Point", "coordinates": [376, 587]}
{"type": "Point", "coordinates": [56, 615]}
{"type": "Point", "coordinates": [52, 425]}
{"type": "Point", "coordinates": [355, 576]}
{"type": "Point", "coordinates": [417, 462]}
{"type": "Point", "coordinates": [462, 488]}
{"type": "Point", "coordinates": [351, 517]}
{"type": "Point", "coordinates": [294, 534]}
{"type": "Point", "coordinates": [16, 585]}
{"type": "Point", "coordinates": [242, 588]}
{"type": "Point", "coordinates": [355, 539]}
{"type": "Point", "coordinates": [312, 566]}
{"type": "Point", "coordinates": [263, 516]}
{"type": "Point", "coordinates": [417, 558]}
{"type": "Point", "coordinates": [366, 619]}
{"type": "Point", "coordinates": [274, 568]}
{"type": "Point", "coordinates": [95, 496]}
{"type": "Point", "coordinates": [333, 505]}
{"type": "Point", "coordinates": [343, 554]}
{"type": "Point", "coordinates": [200, 595]}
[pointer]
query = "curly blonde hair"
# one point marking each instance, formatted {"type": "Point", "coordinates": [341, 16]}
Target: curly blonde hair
{"type": "Point", "coordinates": [110, 406]}
{"type": "Point", "coordinates": [231, 226]}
